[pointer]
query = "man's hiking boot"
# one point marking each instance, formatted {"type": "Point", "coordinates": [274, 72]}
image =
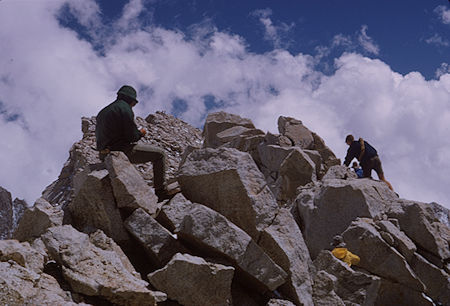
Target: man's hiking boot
{"type": "Point", "coordinates": [168, 191]}
{"type": "Point", "coordinates": [163, 194]}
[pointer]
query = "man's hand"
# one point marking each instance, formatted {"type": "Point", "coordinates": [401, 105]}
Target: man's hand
{"type": "Point", "coordinates": [143, 132]}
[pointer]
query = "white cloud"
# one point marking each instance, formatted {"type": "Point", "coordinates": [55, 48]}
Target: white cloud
{"type": "Point", "coordinates": [442, 70]}
{"type": "Point", "coordinates": [437, 40]}
{"type": "Point", "coordinates": [87, 12]}
{"type": "Point", "coordinates": [341, 40]}
{"type": "Point", "coordinates": [51, 78]}
{"type": "Point", "coordinates": [367, 42]}
{"type": "Point", "coordinates": [130, 13]}
{"type": "Point", "coordinates": [443, 13]}
{"type": "Point", "coordinates": [359, 41]}
{"type": "Point", "coordinates": [273, 33]}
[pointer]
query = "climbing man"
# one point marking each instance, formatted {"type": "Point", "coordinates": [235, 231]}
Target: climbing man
{"type": "Point", "coordinates": [367, 157]}
{"type": "Point", "coordinates": [116, 131]}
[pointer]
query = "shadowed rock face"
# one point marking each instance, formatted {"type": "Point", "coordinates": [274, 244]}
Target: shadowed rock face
{"type": "Point", "coordinates": [377, 256]}
{"type": "Point", "coordinates": [157, 241]}
{"type": "Point", "coordinates": [252, 211]}
{"type": "Point", "coordinates": [6, 214]}
{"type": "Point", "coordinates": [10, 213]}
{"type": "Point", "coordinates": [336, 280]}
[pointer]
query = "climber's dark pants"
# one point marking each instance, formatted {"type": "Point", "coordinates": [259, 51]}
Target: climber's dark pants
{"type": "Point", "coordinates": [142, 153]}
{"type": "Point", "coordinates": [373, 164]}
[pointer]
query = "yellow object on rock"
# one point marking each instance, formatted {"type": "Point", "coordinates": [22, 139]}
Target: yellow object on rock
{"type": "Point", "coordinates": [346, 256]}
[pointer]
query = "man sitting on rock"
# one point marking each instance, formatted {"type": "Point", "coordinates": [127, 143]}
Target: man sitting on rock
{"type": "Point", "coordinates": [358, 170]}
{"type": "Point", "coordinates": [367, 157]}
{"type": "Point", "coordinates": [117, 131]}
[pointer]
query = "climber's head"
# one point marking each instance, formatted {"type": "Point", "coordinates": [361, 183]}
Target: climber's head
{"type": "Point", "coordinates": [349, 139]}
{"type": "Point", "coordinates": [128, 94]}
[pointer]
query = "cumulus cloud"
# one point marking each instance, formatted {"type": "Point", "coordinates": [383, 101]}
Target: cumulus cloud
{"type": "Point", "coordinates": [273, 32]}
{"type": "Point", "coordinates": [45, 93]}
{"type": "Point", "coordinates": [443, 13]}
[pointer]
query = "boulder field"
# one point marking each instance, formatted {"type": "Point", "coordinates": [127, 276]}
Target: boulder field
{"type": "Point", "coordinates": [252, 221]}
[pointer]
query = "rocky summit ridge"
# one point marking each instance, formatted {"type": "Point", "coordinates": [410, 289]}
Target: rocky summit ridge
{"type": "Point", "coordinates": [252, 222]}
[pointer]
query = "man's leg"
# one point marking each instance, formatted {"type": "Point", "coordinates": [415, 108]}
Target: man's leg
{"type": "Point", "coordinates": [367, 170]}
{"type": "Point", "coordinates": [379, 170]}
{"type": "Point", "coordinates": [142, 153]}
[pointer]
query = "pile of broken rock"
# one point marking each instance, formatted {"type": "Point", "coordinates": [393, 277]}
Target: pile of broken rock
{"type": "Point", "coordinates": [251, 225]}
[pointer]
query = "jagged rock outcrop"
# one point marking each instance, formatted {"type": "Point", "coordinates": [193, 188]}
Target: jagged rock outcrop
{"type": "Point", "coordinates": [129, 188]}
{"type": "Point", "coordinates": [164, 131]}
{"type": "Point", "coordinates": [217, 123]}
{"type": "Point", "coordinates": [94, 271]}
{"type": "Point", "coordinates": [96, 195]}
{"type": "Point", "coordinates": [6, 214]}
{"type": "Point", "coordinates": [10, 213]}
{"type": "Point", "coordinates": [309, 157]}
{"type": "Point", "coordinates": [252, 211]}
{"type": "Point", "coordinates": [392, 293]}
{"type": "Point", "coordinates": [377, 256]}
{"type": "Point", "coordinates": [22, 277]}
{"type": "Point", "coordinates": [297, 133]}
{"type": "Point", "coordinates": [172, 215]}
{"type": "Point", "coordinates": [326, 209]}
{"type": "Point", "coordinates": [23, 254]}
{"type": "Point", "coordinates": [296, 170]}
{"type": "Point", "coordinates": [325, 290]}
{"type": "Point", "coordinates": [396, 238]}
{"type": "Point", "coordinates": [301, 136]}
{"type": "Point", "coordinates": [386, 254]}
{"type": "Point", "coordinates": [157, 241]}
{"type": "Point", "coordinates": [21, 286]}
{"type": "Point", "coordinates": [279, 302]}
{"type": "Point", "coordinates": [428, 225]}
{"type": "Point", "coordinates": [210, 231]}
{"type": "Point", "coordinates": [284, 243]}
{"type": "Point", "coordinates": [212, 281]}
{"type": "Point", "coordinates": [228, 181]}
{"type": "Point", "coordinates": [436, 281]}
{"type": "Point", "coordinates": [37, 219]}
{"type": "Point", "coordinates": [340, 282]}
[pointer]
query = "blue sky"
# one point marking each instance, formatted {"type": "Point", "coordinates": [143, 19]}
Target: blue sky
{"type": "Point", "coordinates": [377, 69]}
{"type": "Point", "coordinates": [409, 36]}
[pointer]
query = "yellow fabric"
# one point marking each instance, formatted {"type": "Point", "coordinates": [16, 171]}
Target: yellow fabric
{"type": "Point", "coordinates": [363, 148]}
{"type": "Point", "coordinates": [346, 256]}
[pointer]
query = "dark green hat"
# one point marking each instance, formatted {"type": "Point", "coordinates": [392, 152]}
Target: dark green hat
{"type": "Point", "coordinates": [128, 91]}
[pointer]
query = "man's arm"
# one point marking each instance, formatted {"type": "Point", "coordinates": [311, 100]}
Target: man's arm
{"type": "Point", "coordinates": [130, 129]}
{"type": "Point", "coordinates": [350, 155]}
